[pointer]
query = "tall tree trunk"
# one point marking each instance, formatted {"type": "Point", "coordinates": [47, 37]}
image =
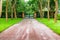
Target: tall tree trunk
{"type": "Point", "coordinates": [15, 13]}
{"type": "Point", "coordinates": [41, 14]}
{"type": "Point", "coordinates": [0, 8]}
{"type": "Point", "coordinates": [12, 7]}
{"type": "Point", "coordinates": [12, 12]}
{"type": "Point", "coordinates": [56, 11]}
{"type": "Point", "coordinates": [48, 9]}
{"type": "Point", "coordinates": [15, 9]}
{"type": "Point", "coordinates": [6, 10]}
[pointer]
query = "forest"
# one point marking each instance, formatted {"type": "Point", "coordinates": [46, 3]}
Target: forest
{"type": "Point", "coordinates": [19, 8]}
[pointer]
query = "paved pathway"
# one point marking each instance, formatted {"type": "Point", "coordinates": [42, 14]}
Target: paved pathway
{"type": "Point", "coordinates": [28, 29]}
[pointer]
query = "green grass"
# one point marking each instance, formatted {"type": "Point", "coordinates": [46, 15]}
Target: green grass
{"type": "Point", "coordinates": [54, 26]}
{"type": "Point", "coordinates": [4, 25]}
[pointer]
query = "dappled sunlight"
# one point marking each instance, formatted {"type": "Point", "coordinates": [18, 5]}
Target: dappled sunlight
{"type": "Point", "coordinates": [26, 0]}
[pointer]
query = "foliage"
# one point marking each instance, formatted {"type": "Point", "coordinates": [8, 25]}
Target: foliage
{"type": "Point", "coordinates": [52, 5]}
{"type": "Point", "coordinates": [21, 5]}
{"type": "Point", "coordinates": [30, 6]}
{"type": "Point", "coordinates": [59, 3]}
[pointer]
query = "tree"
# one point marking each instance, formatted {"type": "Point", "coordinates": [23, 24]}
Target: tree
{"type": "Point", "coordinates": [34, 14]}
{"type": "Point", "coordinates": [23, 15]}
{"type": "Point", "coordinates": [0, 8]}
{"type": "Point", "coordinates": [15, 9]}
{"type": "Point", "coordinates": [48, 9]}
{"type": "Point", "coordinates": [6, 10]}
{"type": "Point", "coordinates": [56, 11]}
{"type": "Point", "coordinates": [20, 7]}
{"type": "Point", "coordinates": [12, 6]}
{"type": "Point", "coordinates": [40, 7]}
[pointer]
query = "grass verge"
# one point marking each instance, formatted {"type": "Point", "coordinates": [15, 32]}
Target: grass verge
{"type": "Point", "coordinates": [54, 26]}
{"type": "Point", "coordinates": [4, 25]}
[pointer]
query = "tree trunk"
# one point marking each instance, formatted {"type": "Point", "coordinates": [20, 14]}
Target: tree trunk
{"type": "Point", "coordinates": [34, 14]}
{"type": "Point", "coordinates": [12, 12]}
{"type": "Point", "coordinates": [12, 8]}
{"type": "Point", "coordinates": [23, 15]}
{"type": "Point", "coordinates": [15, 13]}
{"type": "Point", "coordinates": [15, 9]}
{"type": "Point", "coordinates": [6, 10]}
{"type": "Point", "coordinates": [0, 8]}
{"type": "Point", "coordinates": [56, 11]}
{"type": "Point", "coordinates": [48, 9]}
{"type": "Point", "coordinates": [41, 14]}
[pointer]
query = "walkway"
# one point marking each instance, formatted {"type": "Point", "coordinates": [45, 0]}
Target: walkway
{"type": "Point", "coordinates": [28, 29]}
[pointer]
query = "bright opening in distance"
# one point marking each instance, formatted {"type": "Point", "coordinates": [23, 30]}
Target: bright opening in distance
{"type": "Point", "coordinates": [26, 0]}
